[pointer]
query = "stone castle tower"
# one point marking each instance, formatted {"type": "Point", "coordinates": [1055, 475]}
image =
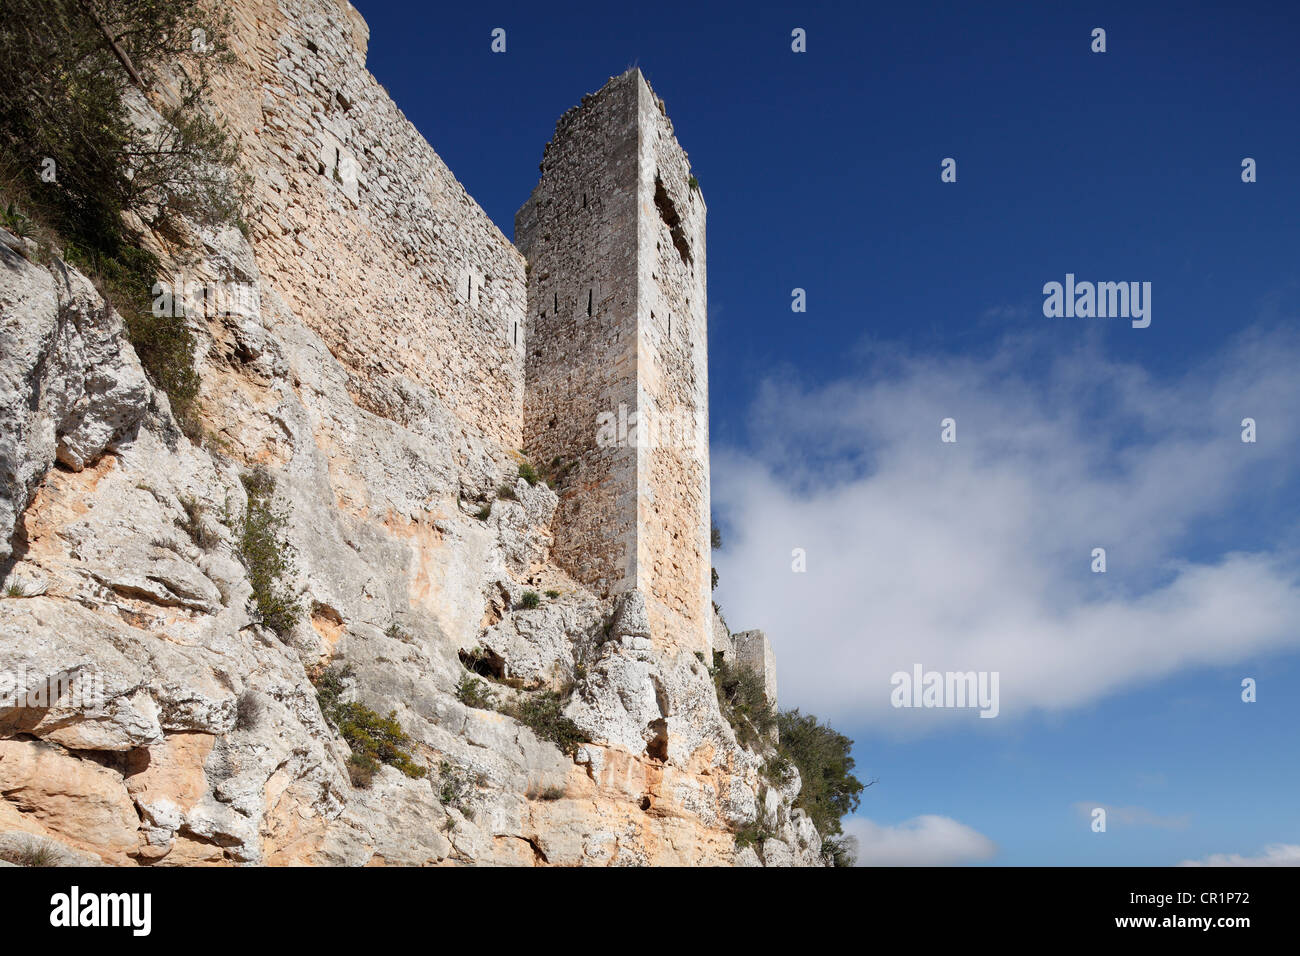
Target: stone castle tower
{"type": "Point", "coordinates": [616, 364]}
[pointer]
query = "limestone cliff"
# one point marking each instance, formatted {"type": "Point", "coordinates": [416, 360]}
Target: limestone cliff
{"type": "Point", "coordinates": [378, 378]}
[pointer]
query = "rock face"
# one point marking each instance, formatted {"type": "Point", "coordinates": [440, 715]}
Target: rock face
{"type": "Point", "coordinates": [147, 713]}
{"type": "Point", "coordinates": [69, 383]}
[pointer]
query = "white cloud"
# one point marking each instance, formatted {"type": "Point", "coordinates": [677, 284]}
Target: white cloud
{"type": "Point", "coordinates": [1278, 854]}
{"type": "Point", "coordinates": [927, 840]}
{"type": "Point", "coordinates": [976, 555]}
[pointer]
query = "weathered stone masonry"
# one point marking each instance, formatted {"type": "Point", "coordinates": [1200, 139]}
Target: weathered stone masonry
{"type": "Point", "coordinates": [415, 291]}
{"type": "Point", "coordinates": [364, 229]}
{"type": "Point", "coordinates": [614, 235]}
{"type": "Point", "coordinates": [607, 317]}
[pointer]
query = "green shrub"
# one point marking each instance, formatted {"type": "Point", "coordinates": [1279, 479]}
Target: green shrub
{"type": "Point", "coordinates": [543, 713]}
{"type": "Point", "coordinates": [329, 684]}
{"type": "Point", "coordinates": [528, 473]}
{"type": "Point", "coordinates": [552, 594]}
{"type": "Point", "coordinates": [266, 554]}
{"type": "Point", "coordinates": [529, 600]}
{"type": "Point", "coordinates": [742, 699]}
{"type": "Point", "coordinates": [16, 221]}
{"type": "Point", "coordinates": [473, 692]}
{"type": "Point", "coordinates": [374, 739]}
{"type": "Point", "coordinates": [507, 492]}
{"type": "Point", "coordinates": [753, 834]}
{"type": "Point", "coordinates": [825, 766]}
{"type": "Point", "coordinates": [749, 835]}
{"type": "Point", "coordinates": [778, 766]}
{"type": "Point", "coordinates": [483, 513]}
{"type": "Point", "coordinates": [379, 738]}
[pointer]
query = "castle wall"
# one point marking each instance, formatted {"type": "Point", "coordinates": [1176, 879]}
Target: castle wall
{"type": "Point", "coordinates": [376, 245]}
{"type": "Point", "coordinates": [620, 390]}
{"type": "Point", "coordinates": [364, 229]}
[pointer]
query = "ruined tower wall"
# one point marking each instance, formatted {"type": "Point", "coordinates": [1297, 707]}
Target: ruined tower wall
{"type": "Point", "coordinates": [363, 228]}
{"type": "Point", "coordinates": [620, 391]}
{"type": "Point", "coordinates": [579, 233]}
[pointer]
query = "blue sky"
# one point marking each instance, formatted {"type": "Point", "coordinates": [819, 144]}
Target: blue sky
{"type": "Point", "coordinates": [821, 171]}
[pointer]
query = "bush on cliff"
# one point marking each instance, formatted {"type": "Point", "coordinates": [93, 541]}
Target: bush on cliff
{"type": "Point", "coordinates": [543, 713]}
{"type": "Point", "coordinates": [266, 554]}
{"type": "Point", "coordinates": [743, 701]}
{"type": "Point", "coordinates": [455, 788]}
{"type": "Point", "coordinates": [472, 692]}
{"type": "Point", "coordinates": [822, 755]}
{"type": "Point", "coordinates": [373, 738]}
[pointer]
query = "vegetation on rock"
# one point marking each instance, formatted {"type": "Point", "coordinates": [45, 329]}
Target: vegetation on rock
{"type": "Point", "coordinates": [455, 787]}
{"type": "Point", "coordinates": [822, 755]}
{"type": "Point", "coordinates": [543, 713]}
{"type": "Point", "coordinates": [743, 701]}
{"type": "Point", "coordinates": [266, 554]}
{"type": "Point", "coordinates": [373, 738]}
{"type": "Point", "coordinates": [473, 692]}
